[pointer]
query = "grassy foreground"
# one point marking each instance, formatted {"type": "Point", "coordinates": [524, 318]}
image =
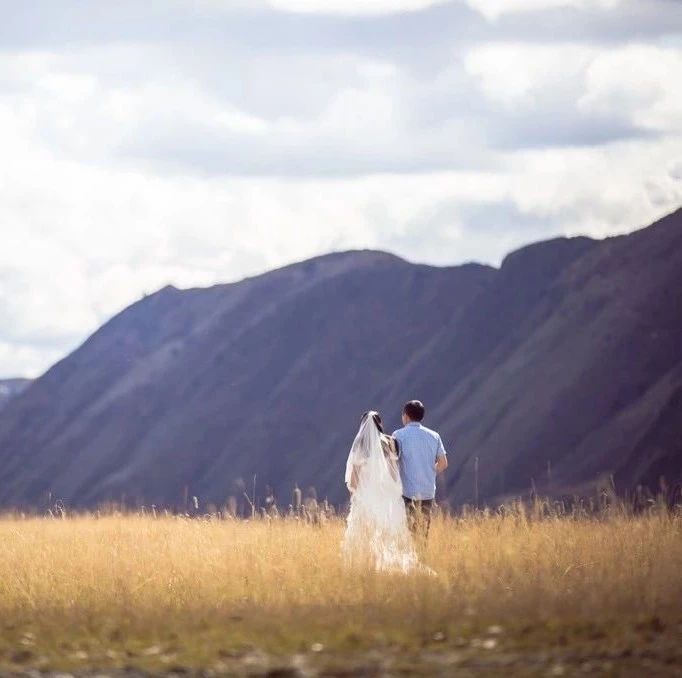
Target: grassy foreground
{"type": "Point", "coordinates": [545, 597]}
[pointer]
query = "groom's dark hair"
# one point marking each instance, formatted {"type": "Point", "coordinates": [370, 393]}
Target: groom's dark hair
{"type": "Point", "coordinates": [415, 410]}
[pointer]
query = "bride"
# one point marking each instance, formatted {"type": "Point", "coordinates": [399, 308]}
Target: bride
{"type": "Point", "coordinates": [376, 531]}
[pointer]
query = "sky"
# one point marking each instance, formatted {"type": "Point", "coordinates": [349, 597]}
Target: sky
{"type": "Point", "coordinates": [195, 142]}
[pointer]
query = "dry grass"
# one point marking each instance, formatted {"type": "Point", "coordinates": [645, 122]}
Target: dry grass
{"type": "Point", "coordinates": [131, 581]}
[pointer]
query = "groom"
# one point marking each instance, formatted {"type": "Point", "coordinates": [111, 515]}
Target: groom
{"type": "Point", "coordinates": [422, 457]}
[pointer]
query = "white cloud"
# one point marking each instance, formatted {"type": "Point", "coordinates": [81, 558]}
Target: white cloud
{"type": "Point", "coordinates": [354, 7]}
{"type": "Point", "coordinates": [491, 9]}
{"type": "Point", "coordinates": [494, 9]}
{"type": "Point", "coordinates": [518, 74]}
{"type": "Point", "coordinates": [580, 94]}
{"type": "Point", "coordinates": [26, 360]}
{"type": "Point", "coordinates": [637, 82]}
{"type": "Point", "coordinates": [121, 234]}
{"type": "Point", "coordinates": [161, 157]}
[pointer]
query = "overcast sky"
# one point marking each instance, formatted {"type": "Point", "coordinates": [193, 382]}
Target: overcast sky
{"type": "Point", "coordinates": [191, 142]}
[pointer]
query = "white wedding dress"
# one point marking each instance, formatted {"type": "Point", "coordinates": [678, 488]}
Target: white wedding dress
{"type": "Point", "coordinates": [376, 532]}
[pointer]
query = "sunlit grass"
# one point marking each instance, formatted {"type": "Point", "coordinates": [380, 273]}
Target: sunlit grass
{"type": "Point", "coordinates": [128, 582]}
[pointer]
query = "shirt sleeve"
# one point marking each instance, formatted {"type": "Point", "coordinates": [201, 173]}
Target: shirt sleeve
{"type": "Point", "coordinates": [441, 449]}
{"type": "Point", "coordinates": [396, 440]}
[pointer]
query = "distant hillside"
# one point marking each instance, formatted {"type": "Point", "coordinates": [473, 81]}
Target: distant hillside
{"type": "Point", "coordinates": [10, 388]}
{"type": "Point", "coordinates": [561, 367]}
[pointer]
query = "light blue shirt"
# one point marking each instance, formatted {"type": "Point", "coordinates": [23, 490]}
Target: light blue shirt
{"type": "Point", "coordinates": [419, 449]}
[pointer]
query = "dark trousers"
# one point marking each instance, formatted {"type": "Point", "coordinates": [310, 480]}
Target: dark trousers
{"type": "Point", "coordinates": [419, 515]}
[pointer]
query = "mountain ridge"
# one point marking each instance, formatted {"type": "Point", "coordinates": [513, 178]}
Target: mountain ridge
{"type": "Point", "coordinates": [520, 366]}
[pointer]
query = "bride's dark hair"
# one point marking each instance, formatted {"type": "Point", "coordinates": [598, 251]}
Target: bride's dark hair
{"type": "Point", "coordinates": [376, 417]}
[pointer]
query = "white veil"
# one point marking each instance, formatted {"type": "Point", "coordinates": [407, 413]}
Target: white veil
{"type": "Point", "coordinates": [377, 526]}
{"type": "Point", "coordinates": [367, 469]}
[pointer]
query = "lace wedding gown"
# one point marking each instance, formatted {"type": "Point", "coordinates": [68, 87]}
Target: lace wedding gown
{"type": "Point", "coordinates": [376, 531]}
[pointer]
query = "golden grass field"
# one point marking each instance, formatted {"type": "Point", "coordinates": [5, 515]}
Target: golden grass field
{"type": "Point", "coordinates": [173, 594]}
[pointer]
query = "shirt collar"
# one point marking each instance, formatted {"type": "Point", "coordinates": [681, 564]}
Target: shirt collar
{"type": "Point", "coordinates": [414, 423]}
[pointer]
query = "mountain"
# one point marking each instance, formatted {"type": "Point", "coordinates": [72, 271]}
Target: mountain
{"type": "Point", "coordinates": [10, 388]}
{"type": "Point", "coordinates": [580, 372]}
{"type": "Point", "coordinates": [559, 368]}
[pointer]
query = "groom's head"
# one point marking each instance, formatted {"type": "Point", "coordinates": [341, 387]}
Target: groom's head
{"type": "Point", "coordinates": [413, 411]}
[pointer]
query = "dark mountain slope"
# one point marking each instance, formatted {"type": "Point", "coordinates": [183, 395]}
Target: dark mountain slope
{"type": "Point", "coordinates": [587, 368]}
{"type": "Point", "coordinates": [202, 387]}
{"type": "Point", "coordinates": [561, 367]}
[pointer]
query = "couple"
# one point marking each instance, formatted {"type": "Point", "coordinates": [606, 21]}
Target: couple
{"type": "Point", "coordinates": [392, 481]}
